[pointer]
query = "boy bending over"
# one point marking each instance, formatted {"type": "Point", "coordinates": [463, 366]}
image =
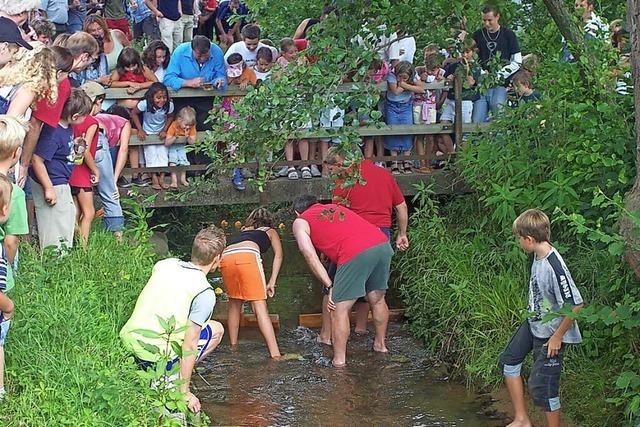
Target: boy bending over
{"type": "Point", "coordinates": [550, 287]}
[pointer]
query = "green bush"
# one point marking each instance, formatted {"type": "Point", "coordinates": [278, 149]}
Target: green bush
{"type": "Point", "coordinates": [65, 362]}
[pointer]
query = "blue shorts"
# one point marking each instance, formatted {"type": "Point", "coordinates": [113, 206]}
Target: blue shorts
{"type": "Point", "coordinates": [206, 335]}
{"type": "Point", "coordinates": [178, 155]}
{"type": "Point", "coordinates": [4, 330]}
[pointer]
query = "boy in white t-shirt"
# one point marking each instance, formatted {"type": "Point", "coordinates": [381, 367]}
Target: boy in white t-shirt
{"type": "Point", "coordinates": [249, 46]}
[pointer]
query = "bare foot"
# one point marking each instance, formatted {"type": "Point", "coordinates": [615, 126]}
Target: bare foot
{"type": "Point", "coordinates": [185, 183]}
{"type": "Point", "coordinates": [380, 348]}
{"type": "Point", "coordinates": [523, 423]}
{"type": "Point", "coordinates": [360, 333]}
{"type": "Point", "coordinates": [234, 347]}
{"type": "Point", "coordinates": [339, 363]}
{"type": "Point", "coordinates": [321, 340]}
{"type": "Point", "coordinates": [156, 187]}
{"type": "Point", "coordinates": [174, 186]}
{"type": "Point", "coordinates": [165, 186]}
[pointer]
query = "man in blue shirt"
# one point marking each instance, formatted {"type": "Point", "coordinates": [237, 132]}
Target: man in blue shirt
{"type": "Point", "coordinates": [144, 21]}
{"type": "Point", "coordinates": [196, 63]}
{"type": "Point", "coordinates": [57, 12]}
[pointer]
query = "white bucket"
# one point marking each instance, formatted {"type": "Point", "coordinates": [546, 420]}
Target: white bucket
{"type": "Point", "coordinates": [417, 114]}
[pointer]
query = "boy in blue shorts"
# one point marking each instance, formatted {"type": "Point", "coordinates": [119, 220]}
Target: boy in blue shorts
{"type": "Point", "coordinates": [550, 288]}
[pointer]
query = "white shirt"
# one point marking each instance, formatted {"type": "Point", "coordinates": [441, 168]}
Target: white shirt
{"type": "Point", "coordinates": [249, 56]}
{"type": "Point", "coordinates": [260, 75]}
{"type": "Point", "coordinates": [403, 49]}
{"type": "Point", "coordinates": [380, 43]}
{"type": "Point", "coordinates": [160, 74]}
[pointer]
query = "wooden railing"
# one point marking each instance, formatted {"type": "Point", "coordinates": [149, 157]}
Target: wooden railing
{"type": "Point", "coordinates": [457, 128]}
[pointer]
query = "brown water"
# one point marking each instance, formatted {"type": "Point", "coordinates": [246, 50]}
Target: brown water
{"type": "Point", "coordinates": [246, 388]}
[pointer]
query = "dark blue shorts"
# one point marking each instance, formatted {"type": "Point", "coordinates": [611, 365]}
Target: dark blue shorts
{"type": "Point", "coordinates": [544, 381]}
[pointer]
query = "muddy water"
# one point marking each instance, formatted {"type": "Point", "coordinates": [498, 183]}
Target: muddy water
{"type": "Point", "coordinates": [245, 388]}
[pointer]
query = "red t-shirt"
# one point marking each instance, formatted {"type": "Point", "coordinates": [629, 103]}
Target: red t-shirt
{"type": "Point", "coordinates": [373, 201]}
{"type": "Point", "coordinates": [50, 113]}
{"type": "Point", "coordinates": [339, 233]}
{"type": "Point", "coordinates": [81, 175]}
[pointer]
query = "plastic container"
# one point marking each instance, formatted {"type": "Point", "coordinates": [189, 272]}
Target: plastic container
{"type": "Point", "coordinates": [429, 112]}
{"type": "Point", "coordinates": [467, 111]}
{"type": "Point", "coordinates": [417, 114]}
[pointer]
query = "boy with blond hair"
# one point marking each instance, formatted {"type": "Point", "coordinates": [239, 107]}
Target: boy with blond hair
{"type": "Point", "coordinates": [6, 305]}
{"type": "Point", "coordinates": [181, 132]}
{"type": "Point", "coordinates": [551, 287]}
{"type": "Point", "coordinates": [179, 289]}
{"type": "Point", "coordinates": [12, 134]}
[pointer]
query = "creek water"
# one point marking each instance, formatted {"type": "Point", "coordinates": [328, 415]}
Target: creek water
{"type": "Point", "coordinates": [244, 387]}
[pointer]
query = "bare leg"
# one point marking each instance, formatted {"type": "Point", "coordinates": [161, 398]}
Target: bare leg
{"type": "Point", "coordinates": [155, 182]}
{"type": "Point", "coordinates": [288, 151]}
{"type": "Point", "coordinates": [233, 320]}
{"type": "Point", "coordinates": [183, 179]}
{"type": "Point", "coordinates": [31, 216]}
{"type": "Point", "coordinates": [379, 143]}
{"type": "Point", "coordinates": [553, 418]}
{"type": "Point", "coordinates": [134, 160]}
{"type": "Point", "coordinates": [218, 333]}
{"type": "Point", "coordinates": [1, 367]}
{"type": "Point", "coordinates": [174, 178]}
{"type": "Point", "coordinates": [325, 331]}
{"type": "Point", "coordinates": [303, 148]}
{"type": "Point", "coordinates": [340, 332]}
{"type": "Point", "coordinates": [445, 143]}
{"type": "Point", "coordinates": [163, 184]}
{"type": "Point", "coordinates": [516, 393]}
{"type": "Point", "coordinates": [86, 213]}
{"type": "Point", "coordinates": [368, 147]}
{"type": "Point", "coordinates": [362, 315]}
{"type": "Point", "coordinates": [261, 311]}
{"type": "Point", "coordinates": [380, 313]}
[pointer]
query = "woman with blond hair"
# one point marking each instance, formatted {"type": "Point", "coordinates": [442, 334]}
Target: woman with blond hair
{"type": "Point", "coordinates": [243, 275]}
{"type": "Point", "coordinates": [29, 78]}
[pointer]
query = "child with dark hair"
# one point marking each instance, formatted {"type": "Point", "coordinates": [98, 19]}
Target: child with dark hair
{"type": "Point", "coordinates": [249, 45]}
{"type": "Point", "coordinates": [45, 31]}
{"type": "Point", "coordinates": [157, 109]}
{"type": "Point", "coordinates": [156, 57]}
{"type": "Point", "coordinates": [53, 161]}
{"type": "Point", "coordinates": [264, 62]}
{"type": "Point", "coordinates": [132, 74]}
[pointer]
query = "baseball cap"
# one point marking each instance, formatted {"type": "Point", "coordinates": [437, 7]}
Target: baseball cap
{"type": "Point", "coordinates": [93, 90]}
{"type": "Point", "coordinates": [10, 33]}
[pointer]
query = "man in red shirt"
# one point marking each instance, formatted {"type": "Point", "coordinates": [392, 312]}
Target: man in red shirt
{"type": "Point", "coordinates": [374, 198]}
{"type": "Point", "coordinates": [363, 257]}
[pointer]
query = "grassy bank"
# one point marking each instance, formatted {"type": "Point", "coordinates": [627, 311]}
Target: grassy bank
{"type": "Point", "coordinates": [65, 362]}
{"type": "Point", "coordinates": [465, 293]}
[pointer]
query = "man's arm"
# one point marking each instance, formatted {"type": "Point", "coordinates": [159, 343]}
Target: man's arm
{"type": "Point", "coordinates": [188, 362]}
{"type": "Point", "coordinates": [152, 5]}
{"type": "Point", "coordinates": [302, 233]}
{"type": "Point", "coordinates": [219, 70]}
{"type": "Point", "coordinates": [402, 216]}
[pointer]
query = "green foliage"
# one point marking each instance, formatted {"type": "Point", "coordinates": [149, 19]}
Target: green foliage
{"type": "Point", "coordinates": [65, 362]}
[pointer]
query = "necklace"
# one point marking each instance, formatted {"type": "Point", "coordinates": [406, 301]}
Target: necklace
{"type": "Point", "coordinates": [489, 41]}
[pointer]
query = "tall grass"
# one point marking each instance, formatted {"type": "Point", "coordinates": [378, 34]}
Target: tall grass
{"type": "Point", "coordinates": [65, 362]}
{"type": "Point", "coordinates": [465, 294]}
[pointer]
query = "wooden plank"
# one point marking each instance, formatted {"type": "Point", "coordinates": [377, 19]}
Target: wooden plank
{"type": "Point", "coordinates": [364, 131]}
{"type": "Point", "coordinates": [220, 191]}
{"type": "Point", "coordinates": [314, 320]}
{"type": "Point", "coordinates": [121, 93]}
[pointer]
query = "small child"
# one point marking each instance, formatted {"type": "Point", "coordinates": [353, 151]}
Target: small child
{"type": "Point", "coordinates": [238, 74]}
{"type": "Point", "coordinates": [115, 123]}
{"type": "Point", "coordinates": [183, 126]}
{"type": "Point", "coordinates": [288, 52]}
{"type": "Point", "coordinates": [52, 164]}
{"type": "Point", "coordinates": [86, 173]}
{"type": "Point", "coordinates": [45, 31]}
{"type": "Point", "coordinates": [402, 84]}
{"type": "Point", "coordinates": [550, 288]}
{"type": "Point", "coordinates": [132, 74]}
{"type": "Point", "coordinates": [470, 73]}
{"type": "Point", "coordinates": [523, 86]}
{"type": "Point", "coordinates": [264, 62]}
{"type": "Point", "coordinates": [6, 305]}
{"type": "Point", "coordinates": [157, 109]}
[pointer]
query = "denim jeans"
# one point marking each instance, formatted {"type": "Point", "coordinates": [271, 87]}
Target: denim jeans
{"type": "Point", "coordinates": [491, 101]}
{"type": "Point", "coordinates": [113, 219]}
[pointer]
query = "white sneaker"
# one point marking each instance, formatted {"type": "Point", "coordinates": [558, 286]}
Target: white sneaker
{"type": "Point", "coordinates": [315, 172]}
{"type": "Point", "coordinates": [283, 172]}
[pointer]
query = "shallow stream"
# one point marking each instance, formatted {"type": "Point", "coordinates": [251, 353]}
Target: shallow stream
{"type": "Point", "coordinates": [246, 388]}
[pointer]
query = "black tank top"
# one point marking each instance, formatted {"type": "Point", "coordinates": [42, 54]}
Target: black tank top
{"type": "Point", "coordinates": [259, 237]}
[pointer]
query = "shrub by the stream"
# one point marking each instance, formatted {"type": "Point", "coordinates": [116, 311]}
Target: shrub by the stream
{"type": "Point", "coordinates": [65, 361]}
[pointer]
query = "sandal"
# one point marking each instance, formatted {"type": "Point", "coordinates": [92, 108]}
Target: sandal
{"type": "Point", "coordinates": [407, 167]}
{"type": "Point", "coordinates": [306, 172]}
{"type": "Point", "coordinates": [395, 169]}
{"type": "Point", "coordinates": [292, 173]}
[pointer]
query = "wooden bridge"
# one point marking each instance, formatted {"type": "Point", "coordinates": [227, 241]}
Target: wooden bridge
{"type": "Point", "coordinates": [220, 191]}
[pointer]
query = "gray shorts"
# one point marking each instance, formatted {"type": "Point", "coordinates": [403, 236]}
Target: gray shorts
{"type": "Point", "coordinates": [56, 224]}
{"type": "Point", "coordinates": [4, 330]}
{"type": "Point", "coordinates": [369, 271]}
